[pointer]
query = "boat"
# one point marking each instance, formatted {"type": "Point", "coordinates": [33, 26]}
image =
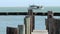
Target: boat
{"type": "Point", "coordinates": [36, 7]}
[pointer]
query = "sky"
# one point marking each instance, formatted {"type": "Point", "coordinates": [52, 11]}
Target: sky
{"type": "Point", "coordinates": [25, 3]}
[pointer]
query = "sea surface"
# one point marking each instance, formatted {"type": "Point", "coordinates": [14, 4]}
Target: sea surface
{"type": "Point", "coordinates": [14, 21]}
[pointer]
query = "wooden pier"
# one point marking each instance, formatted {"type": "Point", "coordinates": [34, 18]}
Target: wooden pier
{"type": "Point", "coordinates": [26, 13]}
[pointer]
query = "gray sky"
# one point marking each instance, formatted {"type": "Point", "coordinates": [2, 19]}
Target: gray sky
{"type": "Point", "coordinates": [24, 3]}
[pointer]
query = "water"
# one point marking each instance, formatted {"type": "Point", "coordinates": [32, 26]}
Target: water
{"type": "Point", "coordinates": [13, 21]}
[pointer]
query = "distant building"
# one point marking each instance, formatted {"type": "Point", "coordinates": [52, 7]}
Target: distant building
{"type": "Point", "coordinates": [11, 30]}
{"type": "Point", "coordinates": [21, 29]}
{"type": "Point", "coordinates": [40, 32]}
{"type": "Point", "coordinates": [52, 24]}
